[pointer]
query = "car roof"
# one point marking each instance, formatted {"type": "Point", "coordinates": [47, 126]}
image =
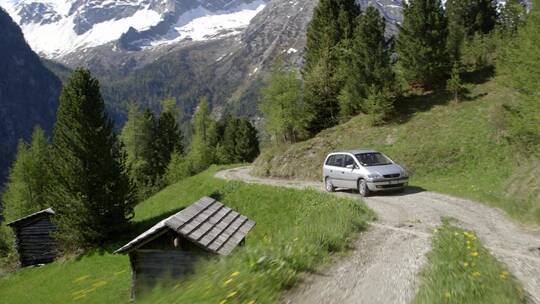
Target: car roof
{"type": "Point", "coordinates": [358, 151]}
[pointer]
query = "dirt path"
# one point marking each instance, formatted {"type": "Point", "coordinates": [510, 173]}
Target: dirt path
{"type": "Point", "coordinates": [383, 267]}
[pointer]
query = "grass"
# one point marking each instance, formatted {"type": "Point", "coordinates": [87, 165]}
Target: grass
{"type": "Point", "coordinates": [296, 231]}
{"type": "Point", "coordinates": [460, 270]}
{"type": "Point", "coordinates": [456, 148]}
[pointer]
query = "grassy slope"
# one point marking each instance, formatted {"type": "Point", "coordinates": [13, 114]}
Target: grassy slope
{"type": "Point", "coordinates": [455, 148]}
{"type": "Point", "coordinates": [295, 231]}
{"type": "Point", "coordinates": [460, 270]}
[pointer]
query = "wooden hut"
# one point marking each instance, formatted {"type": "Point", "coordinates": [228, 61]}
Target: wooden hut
{"type": "Point", "coordinates": [171, 247]}
{"type": "Point", "coordinates": [33, 239]}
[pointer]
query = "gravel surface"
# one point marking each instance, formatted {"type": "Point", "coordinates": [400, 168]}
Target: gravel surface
{"type": "Point", "coordinates": [386, 259]}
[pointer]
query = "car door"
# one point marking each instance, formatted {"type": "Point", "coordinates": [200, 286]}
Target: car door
{"type": "Point", "coordinates": [336, 171]}
{"type": "Point", "coordinates": [349, 175]}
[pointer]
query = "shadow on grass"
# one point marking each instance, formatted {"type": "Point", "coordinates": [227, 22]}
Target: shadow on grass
{"type": "Point", "coordinates": [407, 106]}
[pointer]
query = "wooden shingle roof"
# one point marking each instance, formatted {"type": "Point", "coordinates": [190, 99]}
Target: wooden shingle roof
{"type": "Point", "coordinates": [207, 223]}
{"type": "Point", "coordinates": [30, 218]}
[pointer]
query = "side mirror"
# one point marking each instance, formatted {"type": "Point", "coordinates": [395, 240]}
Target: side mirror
{"type": "Point", "coordinates": [350, 167]}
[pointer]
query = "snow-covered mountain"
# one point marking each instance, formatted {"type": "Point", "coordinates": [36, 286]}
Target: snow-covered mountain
{"type": "Point", "coordinates": [55, 28]}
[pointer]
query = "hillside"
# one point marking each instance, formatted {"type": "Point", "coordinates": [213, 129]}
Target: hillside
{"type": "Point", "coordinates": [456, 148]}
{"type": "Point", "coordinates": [28, 92]}
{"type": "Point", "coordinates": [282, 245]}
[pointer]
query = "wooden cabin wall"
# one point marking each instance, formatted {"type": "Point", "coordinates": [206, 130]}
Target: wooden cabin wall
{"type": "Point", "coordinates": [150, 267]}
{"type": "Point", "coordinates": [35, 244]}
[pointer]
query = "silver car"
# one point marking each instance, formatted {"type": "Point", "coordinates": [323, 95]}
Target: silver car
{"type": "Point", "coordinates": [365, 170]}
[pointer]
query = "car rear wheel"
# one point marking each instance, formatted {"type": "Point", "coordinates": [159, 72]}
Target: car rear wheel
{"type": "Point", "coordinates": [328, 185]}
{"type": "Point", "coordinates": [363, 188]}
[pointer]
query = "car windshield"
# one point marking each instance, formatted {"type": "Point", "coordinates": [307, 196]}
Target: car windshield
{"type": "Point", "coordinates": [373, 159]}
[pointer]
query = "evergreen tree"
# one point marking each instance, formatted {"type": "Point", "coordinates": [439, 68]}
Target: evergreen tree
{"type": "Point", "coordinates": [370, 69]}
{"type": "Point", "coordinates": [202, 150]}
{"type": "Point", "coordinates": [169, 136]}
{"type": "Point", "coordinates": [421, 45]}
{"type": "Point", "coordinates": [226, 152]}
{"type": "Point", "coordinates": [246, 143]}
{"type": "Point", "coordinates": [467, 18]}
{"type": "Point", "coordinates": [285, 115]}
{"type": "Point", "coordinates": [512, 16]}
{"type": "Point", "coordinates": [328, 40]}
{"type": "Point", "coordinates": [26, 189]}
{"type": "Point", "coordinates": [91, 193]}
{"type": "Point", "coordinates": [138, 142]}
{"type": "Point", "coordinates": [520, 65]}
{"type": "Point", "coordinates": [455, 84]}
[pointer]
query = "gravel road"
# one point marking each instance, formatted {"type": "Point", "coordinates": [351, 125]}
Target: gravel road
{"type": "Point", "coordinates": [386, 259]}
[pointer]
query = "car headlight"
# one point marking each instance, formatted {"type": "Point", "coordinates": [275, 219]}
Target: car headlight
{"type": "Point", "coordinates": [404, 173]}
{"type": "Point", "coordinates": [374, 176]}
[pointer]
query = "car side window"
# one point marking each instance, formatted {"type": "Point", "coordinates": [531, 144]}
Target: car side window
{"type": "Point", "coordinates": [331, 160]}
{"type": "Point", "coordinates": [348, 161]}
{"type": "Point", "coordinates": [340, 158]}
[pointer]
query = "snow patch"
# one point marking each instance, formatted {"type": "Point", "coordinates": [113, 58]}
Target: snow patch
{"type": "Point", "coordinates": [57, 39]}
{"type": "Point", "coordinates": [201, 24]}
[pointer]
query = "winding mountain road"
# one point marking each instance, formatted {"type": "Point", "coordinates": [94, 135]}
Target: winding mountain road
{"type": "Point", "coordinates": [386, 259]}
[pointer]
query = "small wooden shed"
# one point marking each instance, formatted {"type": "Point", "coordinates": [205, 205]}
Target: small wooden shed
{"type": "Point", "coordinates": [33, 239]}
{"type": "Point", "coordinates": [170, 248]}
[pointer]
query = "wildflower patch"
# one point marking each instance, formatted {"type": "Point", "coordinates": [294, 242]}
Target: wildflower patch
{"type": "Point", "coordinates": [461, 270]}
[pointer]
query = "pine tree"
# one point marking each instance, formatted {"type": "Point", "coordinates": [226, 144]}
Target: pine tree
{"type": "Point", "coordinates": [370, 69]}
{"type": "Point", "coordinates": [285, 115]}
{"type": "Point", "coordinates": [169, 136]}
{"type": "Point", "coordinates": [328, 39]}
{"type": "Point", "coordinates": [226, 150]}
{"type": "Point", "coordinates": [521, 67]}
{"type": "Point", "coordinates": [138, 142]}
{"type": "Point", "coordinates": [202, 150]}
{"type": "Point", "coordinates": [512, 16]}
{"type": "Point", "coordinates": [467, 18]}
{"type": "Point", "coordinates": [421, 45]}
{"type": "Point", "coordinates": [246, 143]}
{"type": "Point", "coordinates": [455, 84]}
{"type": "Point", "coordinates": [91, 192]}
{"type": "Point", "coordinates": [26, 189]}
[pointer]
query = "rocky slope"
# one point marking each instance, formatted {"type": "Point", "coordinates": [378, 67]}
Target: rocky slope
{"type": "Point", "coordinates": [145, 50]}
{"type": "Point", "coordinates": [28, 92]}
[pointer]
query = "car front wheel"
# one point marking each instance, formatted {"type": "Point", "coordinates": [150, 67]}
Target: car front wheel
{"type": "Point", "coordinates": [328, 185]}
{"type": "Point", "coordinates": [363, 188]}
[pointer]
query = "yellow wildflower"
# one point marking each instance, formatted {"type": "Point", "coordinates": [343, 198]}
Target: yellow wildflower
{"type": "Point", "coordinates": [474, 254]}
{"type": "Point", "coordinates": [505, 273]}
{"type": "Point", "coordinates": [235, 274]}
{"type": "Point", "coordinates": [465, 264]}
{"type": "Point", "coordinates": [232, 294]}
{"type": "Point", "coordinates": [229, 281]}
{"type": "Point", "coordinates": [476, 274]}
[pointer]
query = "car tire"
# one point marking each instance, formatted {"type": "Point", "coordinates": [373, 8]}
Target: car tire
{"type": "Point", "coordinates": [363, 189]}
{"type": "Point", "coordinates": [328, 186]}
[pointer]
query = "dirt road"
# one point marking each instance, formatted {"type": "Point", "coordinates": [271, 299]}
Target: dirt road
{"type": "Point", "coordinates": [384, 265]}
